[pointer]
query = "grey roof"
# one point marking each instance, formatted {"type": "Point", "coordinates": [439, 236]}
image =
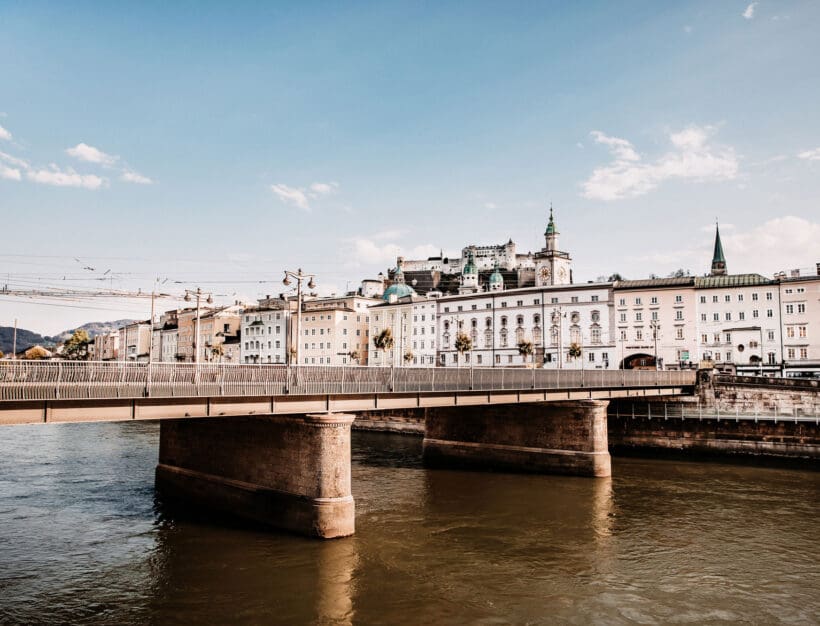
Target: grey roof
{"type": "Point", "coordinates": [732, 280]}
{"type": "Point", "coordinates": [649, 283]}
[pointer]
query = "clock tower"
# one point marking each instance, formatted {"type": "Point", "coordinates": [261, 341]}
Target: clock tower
{"type": "Point", "coordinates": [552, 267]}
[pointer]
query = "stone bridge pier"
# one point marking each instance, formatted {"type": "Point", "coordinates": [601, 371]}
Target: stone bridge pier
{"type": "Point", "coordinates": [567, 437]}
{"type": "Point", "coordinates": [286, 471]}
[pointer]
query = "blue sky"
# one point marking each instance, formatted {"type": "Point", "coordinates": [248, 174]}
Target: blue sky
{"type": "Point", "coordinates": [217, 144]}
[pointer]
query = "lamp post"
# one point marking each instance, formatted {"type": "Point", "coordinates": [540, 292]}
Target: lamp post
{"type": "Point", "coordinates": [760, 328]}
{"type": "Point", "coordinates": [298, 276]}
{"type": "Point", "coordinates": [656, 327]}
{"type": "Point", "coordinates": [198, 294]}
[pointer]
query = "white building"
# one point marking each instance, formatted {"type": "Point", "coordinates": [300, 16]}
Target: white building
{"type": "Point", "coordinates": [800, 321]}
{"type": "Point", "coordinates": [412, 321]}
{"type": "Point", "coordinates": [264, 333]}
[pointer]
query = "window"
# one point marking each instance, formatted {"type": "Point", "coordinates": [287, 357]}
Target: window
{"type": "Point", "coordinates": [591, 357]}
{"type": "Point", "coordinates": [553, 300]}
{"type": "Point", "coordinates": [717, 337]}
{"type": "Point", "coordinates": [715, 317]}
{"type": "Point", "coordinates": [474, 307]}
{"type": "Point", "coordinates": [623, 317]}
{"type": "Point", "coordinates": [768, 295]}
{"type": "Point", "coordinates": [703, 317]}
{"type": "Point", "coordinates": [804, 353]}
{"type": "Point", "coordinates": [802, 331]}
{"type": "Point", "coordinates": [638, 317]}
{"type": "Point", "coordinates": [790, 309]}
{"type": "Point", "coordinates": [801, 308]}
{"type": "Point", "coordinates": [754, 297]}
{"type": "Point", "coordinates": [497, 359]}
{"type": "Point", "coordinates": [622, 302]}
{"type": "Point", "coordinates": [537, 301]}
{"type": "Point", "coordinates": [740, 297]}
{"type": "Point", "coordinates": [704, 338]}
{"type": "Point", "coordinates": [769, 313]}
{"type": "Point", "coordinates": [728, 316]}
{"type": "Point", "coordinates": [574, 299]}
{"type": "Point", "coordinates": [503, 305]}
{"type": "Point", "coordinates": [678, 315]}
{"type": "Point", "coordinates": [654, 300]}
{"type": "Point", "coordinates": [478, 359]}
{"type": "Point", "coordinates": [623, 335]}
{"type": "Point", "coordinates": [729, 357]}
{"type": "Point", "coordinates": [790, 332]}
{"type": "Point", "coordinates": [594, 299]}
{"type": "Point", "coordinates": [519, 320]}
{"type": "Point", "coordinates": [596, 316]}
{"type": "Point", "coordinates": [595, 334]}
{"type": "Point", "coordinates": [679, 333]}
{"type": "Point", "coordinates": [727, 297]}
{"type": "Point", "coordinates": [790, 353]}
{"type": "Point", "coordinates": [703, 299]}
{"type": "Point", "coordinates": [460, 308]}
{"type": "Point", "coordinates": [637, 301]}
{"type": "Point", "coordinates": [714, 299]}
{"type": "Point", "coordinates": [755, 313]}
{"type": "Point", "coordinates": [509, 358]}
{"type": "Point", "coordinates": [741, 315]}
{"type": "Point", "coordinates": [770, 335]}
{"type": "Point", "coordinates": [639, 335]}
{"type": "Point", "coordinates": [728, 337]}
{"type": "Point", "coordinates": [519, 303]}
{"type": "Point", "coordinates": [655, 315]}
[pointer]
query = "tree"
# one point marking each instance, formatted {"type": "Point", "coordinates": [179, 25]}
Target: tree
{"type": "Point", "coordinates": [680, 273]}
{"type": "Point", "coordinates": [36, 353]}
{"type": "Point", "coordinates": [463, 343]}
{"type": "Point", "coordinates": [218, 351]}
{"type": "Point", "coordinates": [384, 340]}
{"type": "Point", "coordinates": [574, 350]}
{"type": "Point", "coordinates": [408, 356]}
{"type": "Point", "coordinates": [614, 277]}
{"type": "Point", "coordinates": [525, 349]}
{"type": "Point", "coordinates": [354, 356]}
{"type": "Point", "coordinates": [76, 348]}
{"type": "Point", "coordinates": [1, 354]}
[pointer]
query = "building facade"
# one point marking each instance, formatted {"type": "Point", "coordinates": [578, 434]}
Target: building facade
{"type": "Point", "coordinates": [264, 333]}
{"type": "Point", "coordinates": [335, 331]}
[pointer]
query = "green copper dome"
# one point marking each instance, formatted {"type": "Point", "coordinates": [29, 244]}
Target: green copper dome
{"type": "Point", "coordinates": [399, 289]}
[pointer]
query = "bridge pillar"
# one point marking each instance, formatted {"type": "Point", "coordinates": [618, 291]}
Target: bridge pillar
{"type": "Point", "coordinates": [551, 437]}
{"type": "Point", "coordinates": [288, 472]}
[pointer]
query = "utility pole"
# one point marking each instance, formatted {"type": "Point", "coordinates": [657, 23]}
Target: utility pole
{"type": "Point", "coordinates": [188, 297]}
{"type": "Point", "coordinates": [14, 342]}
{"type": "Point", "coordinates": [298, 276]}
{"type": "Point", "coordinates": [655, 326]}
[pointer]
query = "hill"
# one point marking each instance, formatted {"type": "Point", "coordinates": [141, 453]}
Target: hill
{"type": "Point", "coordinates": [25, 339]}
{"type": "Point", "coordinates": [92, 328]}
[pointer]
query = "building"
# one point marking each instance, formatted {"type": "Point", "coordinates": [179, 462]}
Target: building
{"type": "Point", "coordinates": [412, 322]}
{"type": "Point", "coordinates": [215, 325]}
{"type": "Point", "coordinates": [800, 322]}
{"type": "Point", "coordinates": [135, 341]}
{"type": "Point", "coordinates": [655, 323]}
{"type": "Point", "coordinates": [334, 331]}
{"type": "Point", "coordinates": [164, 337]}
{"type": "Point", "coordinates": [264, 332]}
{"type": "Point", "coordinates": [107, 346]}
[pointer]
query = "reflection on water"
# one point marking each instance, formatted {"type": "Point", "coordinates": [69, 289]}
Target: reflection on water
{"type": "Point", "coordinates": [83, 539]}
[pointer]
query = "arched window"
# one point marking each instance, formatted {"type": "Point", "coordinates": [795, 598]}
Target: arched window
{"type": "Point", "coordinates": [488, 338]}
{"type": "Point", "coordinates": [474, 323]}
{"type": "Point", "coordinates": [503, 335]}
{"type": "Point", "coordinates": [445, 340]}
{"type": "Point", "coordinates": [488, 322]}
{"type": "Point", "coordinates": [503, 320]}
{"type": "Point", "coordinates": [554, 335]}
{"type": "Point", "coordinates": [575, 334]}
{"type": "Point", "coordinates": [536, 319]}
{"type": "Point", "coordinates": [446, 325]}
{"type": "Point", "coordinates": [519, 334]}
{"type": "Point", "coordinates": [595, 333]}
{"type": "Point", "coordinates": [519, 320]}
{"type": "Point", "coordinates": [536, 334]}
{"type": "Point", "coordinates": [474, 337]}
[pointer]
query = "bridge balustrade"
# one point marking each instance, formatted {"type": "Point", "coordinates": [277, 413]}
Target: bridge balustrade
{"type": "Point", "coordinates": [21, 380]}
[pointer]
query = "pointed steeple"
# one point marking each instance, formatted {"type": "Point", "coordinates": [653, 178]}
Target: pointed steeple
{"type": "Point", "coordinates": [718, 260]}
{"type": "Point", "coordinates": [398, 275]}
{"type": "Point", "coordinates": [551, 225]}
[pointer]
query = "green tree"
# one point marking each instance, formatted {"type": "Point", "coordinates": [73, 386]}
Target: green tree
{"type": "Point", "coordinates": [354, 356]}
{"type": "Point", "coordinates": [384, 340]}
{"type": "Point", "coordinates": [574, 350]}
{"type": "Point", "coordinates": [463, 343]}
{"type": "Point", "coordinates": [76, 348]}
{"type": "Point", "coordinates": [408, 356]}
{"type": "Point", "coordinates": [526, 349]}
{"type": "Point", "coordinates": [616, 276]}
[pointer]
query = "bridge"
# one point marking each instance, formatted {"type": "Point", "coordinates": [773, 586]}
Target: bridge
{"type": "Point", "coordinates": [272, 443]}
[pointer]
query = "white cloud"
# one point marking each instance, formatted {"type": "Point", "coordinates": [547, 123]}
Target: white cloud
{"type": "Point", "coordinates": [779, 244]}
{"type": "Point", "coordinates": [368, 251]}
{"type": "Point", "coordinates": [10, 173]}
{"type": "Point", "coordinates": [130, 176]}
{"type": "Point", "coordinates": [810, 155]}
{"type": "Point", "coordinates": [65, 178]}
{"type": "Point", "coordinates": [13, 160]}
{"type": "Point", "coordinates": [749, 13]}
{"type": "Point", "coordinates": [693, 158]}
{"type": "Point", "coordinates": [4, 134]}
{"type": "Point", "coordinates": [291, 195]}
{"type": "Point", "coordinates": [90, 154]}
{"type": "Point", "coordinates": [323, 189]}
{"type": "Point", "coordinates": [490, 205]}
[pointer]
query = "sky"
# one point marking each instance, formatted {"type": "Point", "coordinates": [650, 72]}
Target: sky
{"type": "Point", "coordinates": [166, 146]}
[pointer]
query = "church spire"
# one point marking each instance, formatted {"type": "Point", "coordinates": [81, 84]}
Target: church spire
{"type": "Point", "coordinates": [718, 260]}
{"type": "Point", "coordinates": [551, 225]}
{"type": "Point", "coordinates": [551, 234]}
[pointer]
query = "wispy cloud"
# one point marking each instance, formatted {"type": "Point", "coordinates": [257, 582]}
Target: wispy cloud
{"type": "Point", "coordinates": [90, 154]}
{"type": "Point", "coordinates": [749, 13]}
{"type": "Point", "coordinates": [810, 155]}
{"type": "Point", "coordinates": [369, 251]}
{"type": "Point", "coordinates": [692, 158]}
{"type": "Point", "coordinates": [291, 195]}
{"type": "Point", "coordinates": [65, 178]}
{"type": "Point", "coordinates": [300, 196]}
{"type": "Point", "coordinates": [4, 134]}
{"type": "Point", "coordinates": [130, 176]}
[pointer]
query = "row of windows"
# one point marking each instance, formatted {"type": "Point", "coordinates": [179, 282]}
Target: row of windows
{"type": "Point", "coordinates": [259, 317]}
{"type": "Point", "coordinates": [260, 330]}
{"type": "Point", "coordinates": [251, 345]}
{"type": "Point", "coordinates": [652, 300]}
{"type": "Point", "coordinates": [801, 308]}
{"type": "Point", "coordinates": [653, 315]}
{"type": "Point", "coordinates": [520, 303]}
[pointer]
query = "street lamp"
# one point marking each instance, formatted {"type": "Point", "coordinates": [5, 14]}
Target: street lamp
{"type": "Point", "coordinates": [656, 327]}
{"type": "Point", "coordinates": [198, 294]}
{"type": "Point", "coordinates": [298, 276]}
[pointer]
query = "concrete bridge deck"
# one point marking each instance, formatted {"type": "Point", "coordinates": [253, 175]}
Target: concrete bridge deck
{"type": "Point", "coordinates": [74, 392]}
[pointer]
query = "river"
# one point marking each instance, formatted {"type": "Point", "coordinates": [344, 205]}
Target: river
{"type": "Point", "coordinates": [84, 539]}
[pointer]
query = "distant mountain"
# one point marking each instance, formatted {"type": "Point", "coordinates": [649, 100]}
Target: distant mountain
{"type": "Point", "coordinates": [25, 339]}
{"type": "Point", "coordinates": [92, 328]}
{"type": "Point", "coordinates": [28, 338]}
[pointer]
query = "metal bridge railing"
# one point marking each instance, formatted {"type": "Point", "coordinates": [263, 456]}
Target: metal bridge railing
{"type": "Point", "coordinates": [21, 380]}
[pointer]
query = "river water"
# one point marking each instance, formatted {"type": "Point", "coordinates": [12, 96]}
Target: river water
{"type": "Point", "coordinates": [84, 539]}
